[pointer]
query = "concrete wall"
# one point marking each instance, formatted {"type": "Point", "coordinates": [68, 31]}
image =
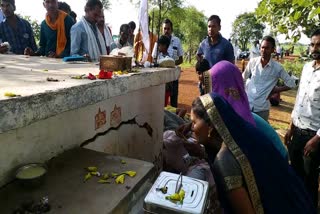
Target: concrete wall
{"type": "Point", "coordinates": [137, 133]}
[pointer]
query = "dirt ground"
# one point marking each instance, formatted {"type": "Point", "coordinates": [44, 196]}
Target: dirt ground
{"type": "Point", "coordinates": [188, 91]}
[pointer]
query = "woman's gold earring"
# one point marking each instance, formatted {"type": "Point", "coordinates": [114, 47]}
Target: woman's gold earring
{"type": "Point", "coordinates": [210, 131]}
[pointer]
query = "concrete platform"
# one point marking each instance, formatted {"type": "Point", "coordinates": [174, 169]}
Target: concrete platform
{"type": "Point", "coordinates": [40, 99]}
{"type": "Point", "coordinates": [121, 116]}
{"type": "Point", "coordinates": [68, 193]}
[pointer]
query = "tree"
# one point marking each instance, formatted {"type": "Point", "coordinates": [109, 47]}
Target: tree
{"type": "Point", "coordinates": [35, 27]}
{"type": "Point", "coordinates": [106, 4]}
{"type": "Point", "coordinates": [290, 17]}
{"type": "Point", "coordinates": [193, 29]}
{"type": "Point", "coordinates": [245, 29]}
{"type": "Point", "coordinates": [189, 24]}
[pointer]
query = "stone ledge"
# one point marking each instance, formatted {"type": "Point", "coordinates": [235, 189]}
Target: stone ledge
{"type": "Point", "coordinates": [41, 99]}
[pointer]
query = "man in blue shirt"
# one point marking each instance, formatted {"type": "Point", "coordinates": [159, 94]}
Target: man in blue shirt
{"type": "Point", "coordinates": [15, 30]}
{"type": "Point", "coordinates": [215, 48]}
{"type": "Point", "coordinates": [86, 38]}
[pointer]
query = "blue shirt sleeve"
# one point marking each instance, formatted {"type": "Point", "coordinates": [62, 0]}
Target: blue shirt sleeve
{"type": "Point", "coordinates": [229, 54]}
{"type": "Point", "coordinates": [200, 51]}
{"type": "Point", "coordinates": [75, 40]}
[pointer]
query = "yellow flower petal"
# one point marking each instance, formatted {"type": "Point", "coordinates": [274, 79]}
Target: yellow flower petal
{"type": "Point", "coordinates": [92, 168]}
{"type": "Point", "coordinates": [87, 177]}
{"type": "Point", "coordinates": [120, 179]}
{"type": "Point", "coordinates": [105, 176]}
{"type": "Point", "coordinates": [104, 181]}
{"type": "Point", "coordinates": [131, 173]}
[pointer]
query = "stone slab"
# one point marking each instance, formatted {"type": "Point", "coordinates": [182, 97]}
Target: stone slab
{"type": "Point", "coordinates": [40, 99]}
{"type": "Point", "coordinates": [68, 193]}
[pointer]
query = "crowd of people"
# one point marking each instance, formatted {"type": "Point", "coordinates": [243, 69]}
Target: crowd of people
{"type": "Point", "coordinates": [61, 34]}
{"type": "Point", "coordinates": [253, 170]}
{"type": "Point", "coordinates": [228, 140]}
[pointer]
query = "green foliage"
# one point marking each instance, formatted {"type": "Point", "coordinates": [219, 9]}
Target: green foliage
{"type": "Point", "coordinates": [189, 25]}
{"type": "Point", "coordinates": [246, 29]}
{"type": "Point", "coordinates": [35, 27]}
{"type": "Point", "coordinates": [106, 4]}
{"type": "Point", "coordinates": [295, 67]}
{"type": "Point", "coordinates": [290, 17]}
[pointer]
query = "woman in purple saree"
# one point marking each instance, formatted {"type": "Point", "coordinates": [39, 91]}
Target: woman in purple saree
{"type": "Point", "coordinates": [251, 175]}
{"type": "Point", "coordinates": [225, 79]}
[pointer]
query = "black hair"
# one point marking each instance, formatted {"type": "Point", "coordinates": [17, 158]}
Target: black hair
{"type": "Point", "coordinates": [12, 2]}
{"type": "Point", "coordinates": [215, 18]}
{"type": "Point", "coordinates": [73, 14]}
{"type": "Point", "coordinates": [64, 7]}
{"type": "Point", "coordinates": [202, 66]}
{"type": "Point", "coordinates": [315, 33]}
{"type": "Point", "coordinates": [164, 40]}
{"type": "Point", "coordinates": [132, 25]}
{"type": "Point", "coordinates": [270, 39]}
{"type": "Point", "coordinates": [124, 28]}
{"type": "Point", "coordinates": [168, 21]}
{"type": "Point", "coordinates": [91, 4]}
{"type": "Point", "coordinates": [199, 110]}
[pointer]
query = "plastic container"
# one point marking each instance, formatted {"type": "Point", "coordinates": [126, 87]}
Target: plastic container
{"type": "Point", "coordinates": [196, 195]}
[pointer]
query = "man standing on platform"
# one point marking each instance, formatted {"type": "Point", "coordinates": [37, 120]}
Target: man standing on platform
{"type": "Point", "coordinates": [15, 30]}
{"type": "Point", "coordinates": [303, 137]}
{"type": "Point", "coordinates": [214, 48]}
{"type": "Point", "coordinates": [261, 76]}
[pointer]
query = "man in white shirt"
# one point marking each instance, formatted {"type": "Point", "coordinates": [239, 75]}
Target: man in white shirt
{"type": "Point", "coordinates": [175, 52]}
{"type": "Point", "coordinates": [303, 136]}
{"type": "Point", "coordinates": [255, 50]}
{"type": "Point", "coordinates": [261, 76]}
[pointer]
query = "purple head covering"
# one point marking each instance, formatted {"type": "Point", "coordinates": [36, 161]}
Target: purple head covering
{"type": "Point", "coordinates": [225, 78]}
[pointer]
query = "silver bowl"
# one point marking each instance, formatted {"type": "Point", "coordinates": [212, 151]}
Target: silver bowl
{"type": "Point", "coordinates": [31, 175]}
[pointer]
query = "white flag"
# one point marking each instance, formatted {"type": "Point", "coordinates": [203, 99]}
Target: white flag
{"type": "Point", "coordinates": [143, 21]}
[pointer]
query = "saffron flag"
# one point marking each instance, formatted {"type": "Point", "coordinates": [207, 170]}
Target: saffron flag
{"type": "Point", "coordinates": [144, 24]}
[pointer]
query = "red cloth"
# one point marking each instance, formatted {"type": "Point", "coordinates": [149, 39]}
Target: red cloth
{"type": "Point", "coordinates": [166, 98]}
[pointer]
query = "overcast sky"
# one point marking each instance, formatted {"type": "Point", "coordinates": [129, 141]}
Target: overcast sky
{"type": "Point", "coordinates": [123, 11]}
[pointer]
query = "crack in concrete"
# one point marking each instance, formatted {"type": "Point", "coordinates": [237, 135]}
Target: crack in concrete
{"type": "Point", "coordinates": [131, 122]}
